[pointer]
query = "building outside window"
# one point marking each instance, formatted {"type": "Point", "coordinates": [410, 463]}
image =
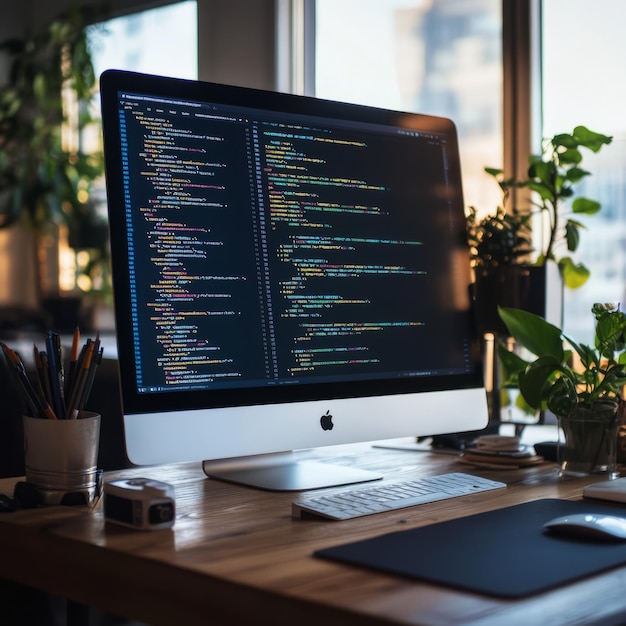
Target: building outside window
{"type": "Point", "coordinates": [583, 49]}
{"type": "Point", "coordinates": [155, 41]}
{"type": "Point", "coordinates": [444, 57]}
{"type": "Point", "coordinates": [441, 57]}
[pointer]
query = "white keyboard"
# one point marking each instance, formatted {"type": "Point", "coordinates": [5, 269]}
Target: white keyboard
{"type": "Point", "coordinates": [392, 496]}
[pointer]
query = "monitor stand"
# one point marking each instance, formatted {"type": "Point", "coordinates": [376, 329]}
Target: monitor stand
{"type": "Point", "coordinates": [284, 472]}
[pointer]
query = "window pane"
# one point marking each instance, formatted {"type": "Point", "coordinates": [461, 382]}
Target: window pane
{"type": "Point", "coordinates": [442, 57]}
{"type": "Point", "coordinates": [157, 41]}
{"type": "Point", "coordinates": [583, 52]}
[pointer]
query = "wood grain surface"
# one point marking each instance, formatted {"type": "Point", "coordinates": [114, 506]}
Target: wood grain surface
{"type": "Point", "coordinates": [235, 555]}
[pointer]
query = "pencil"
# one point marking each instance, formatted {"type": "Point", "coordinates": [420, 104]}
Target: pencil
{"type": "Point", "coordinates": [96, 359]}
{"type": "Point", "coordinates": [81, 380]}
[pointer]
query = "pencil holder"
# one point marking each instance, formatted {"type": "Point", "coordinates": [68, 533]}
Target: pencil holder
{"type": "Point", "coordinates": [61, 457]}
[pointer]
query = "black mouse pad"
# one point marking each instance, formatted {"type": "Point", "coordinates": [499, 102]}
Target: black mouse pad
{"type": "Point", "coordinates": [502, 553]}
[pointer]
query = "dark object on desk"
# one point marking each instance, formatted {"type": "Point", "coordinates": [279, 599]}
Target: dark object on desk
{"type": "Point", "coordinates": [11, 428]}
{"type": "Point", "coordinates": [29, 496]}
{"type": "Point", "coordinates": [548, 450]}
{"type": "Point", "coordinates": [503, 553]}
{"type": "Point", "coordinates": [454, 441]}
{"type": "Point", "coordinates": [7, 505]}
{"type": "Point", "coordinates": [462, 441]}
{"type": "Point", "coordinates": [589, 526]}
{"type": "Point", "coordinates": [25, 496]}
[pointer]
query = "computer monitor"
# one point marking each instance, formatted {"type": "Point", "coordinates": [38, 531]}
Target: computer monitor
{"type": "Point", "coordinates": [288, 273]}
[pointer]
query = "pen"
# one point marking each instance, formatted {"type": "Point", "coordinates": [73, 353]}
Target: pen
{"type": "Point", "coordinates": [41, 407]}
{"type": "Point", "coordinates": [45, 378]}
{"type": "Point", "coordinates": [51, 389]}
{"type": "Point", "coordinates": [39, 370]}
{"type": "Point", "coordinates": [55, 372]}
{"type": "Point", "coordinates": [73, 358]}
{"type": "Point", "coordinates": [95, 361]}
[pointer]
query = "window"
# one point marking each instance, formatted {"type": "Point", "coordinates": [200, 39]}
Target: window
{"type": "Point", "coordinates": [442, 57]}
{"type": "Point", "coordinates": [582, 64]}
{"type": "Point", "coordinates": [156, 41]}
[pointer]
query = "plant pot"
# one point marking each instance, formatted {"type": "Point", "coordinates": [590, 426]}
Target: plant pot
{"type": "Point", "coordinates": [589, 441]}
{"type": "Point", "coordinates": [621, 433]}
{"type": "Point", "coordinates": [538, 289]}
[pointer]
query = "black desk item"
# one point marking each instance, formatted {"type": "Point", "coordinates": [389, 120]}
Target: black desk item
{"type": "Point", "coordinates": [502, 553]}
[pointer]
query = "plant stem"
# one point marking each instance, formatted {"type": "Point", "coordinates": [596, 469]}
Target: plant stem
{"type": "Point", "coordinates": [553, 217]}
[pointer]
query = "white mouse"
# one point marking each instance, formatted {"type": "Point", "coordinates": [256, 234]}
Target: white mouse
{"type": "Point", "coordinates": [589, 525]}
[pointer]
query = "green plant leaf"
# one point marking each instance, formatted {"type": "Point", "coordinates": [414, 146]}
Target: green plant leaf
{"type": "Point", "coordinates": [564, 139]}
{"type": "Point", "coordinates": [572, 236]}
{"type": "Point", "coordinates": [544, 171]}
{"type": "Point", "coordinates": [511, 365]}
{"type": "Point", "coordinates": [585, 206]}
{"type": "Point", "coordinates": [534, 378]}
{"type": "Point", "coordinates": [40, 85]}
{"type": "Point", "coordinates": [494, 171]}
{"type": "Point", "coordinates": [520, 403]}
{"type": "Point", "coordinates": [575, 174]}
{"type": "Point", "coordinates": [533, 332]}
{"type": "Point", "coordinates": [571, 156]}
{"type": "Point", "coordinates": [609, 336]}
{"type": "Point", "coordinates": [589, 139]}
{"type": "Point", "coordinates": [586, 354]}
{"type": "Point", "coordinates": [546, 193]}
{"type": "Point", "coordinates": [613, 380]}
{"type": "Point", "coordinates": [574, 275]}
{"type": "Point", "coordinates": [561, 396]}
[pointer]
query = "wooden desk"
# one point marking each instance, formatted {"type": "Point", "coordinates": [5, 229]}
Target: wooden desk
{"type": "Point", "coordinates": [235, 556]}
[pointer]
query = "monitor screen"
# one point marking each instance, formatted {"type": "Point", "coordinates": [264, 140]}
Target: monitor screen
{"type": "Point", "coordinates": [288, 272]}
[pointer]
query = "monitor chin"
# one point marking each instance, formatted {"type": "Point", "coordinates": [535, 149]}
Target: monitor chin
{"type": "Point", "coordinates": [285, 472]}
{"type": "Point", "coordinates": [235, 449]}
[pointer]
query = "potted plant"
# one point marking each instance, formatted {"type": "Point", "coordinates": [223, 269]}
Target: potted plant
{"type": "Point", "coordinates": [501, 244]}
{"type": "Point", "coordinates": [45, 175]}
{"type": "Point", "coordinates": [580, 384]}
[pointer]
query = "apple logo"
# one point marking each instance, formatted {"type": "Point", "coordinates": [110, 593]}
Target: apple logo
{"type": "Point", "coordinates": [327, 421]}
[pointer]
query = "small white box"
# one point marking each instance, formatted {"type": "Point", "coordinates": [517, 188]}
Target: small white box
{"type": "Point", "coordinates": [614, 490]}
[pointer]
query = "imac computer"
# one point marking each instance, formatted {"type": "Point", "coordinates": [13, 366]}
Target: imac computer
{"type": "Point", "coordinates": [288, 273]}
